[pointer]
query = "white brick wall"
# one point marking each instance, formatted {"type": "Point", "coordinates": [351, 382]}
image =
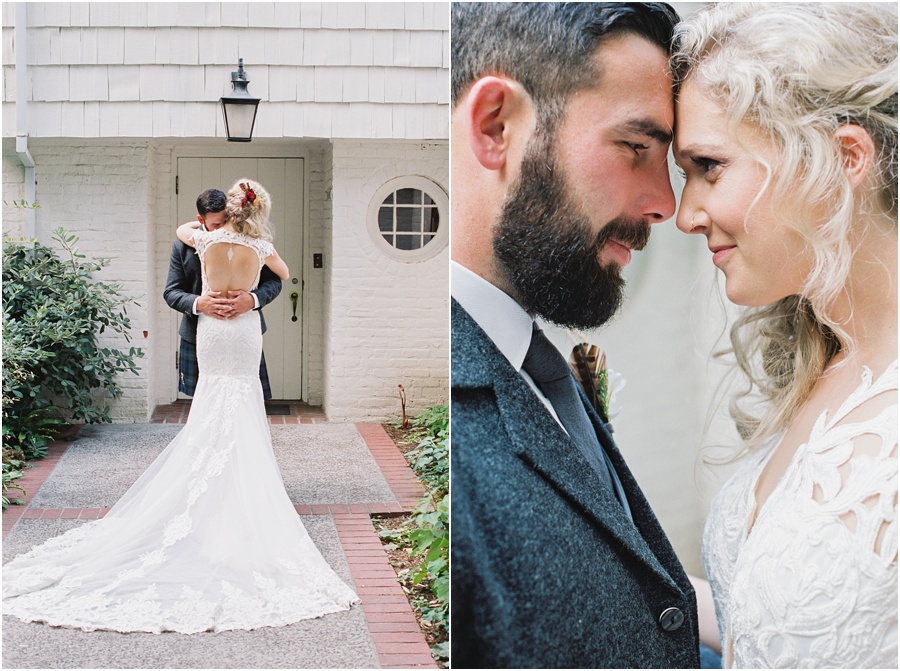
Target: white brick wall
{"type": "Point", "coordinates": [98, 190]}
{"type": "Point", "coordinates": [387, 321]}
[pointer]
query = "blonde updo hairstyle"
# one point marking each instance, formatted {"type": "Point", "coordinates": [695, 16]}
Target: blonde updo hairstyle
{"type": "Point", "coordinates": [249, 215]}
{"type": "Point", "coordinates": [797, 72]}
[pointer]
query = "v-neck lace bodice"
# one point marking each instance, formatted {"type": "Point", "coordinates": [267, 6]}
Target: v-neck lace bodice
{"type": "Point", "coordinates": [803, 588]}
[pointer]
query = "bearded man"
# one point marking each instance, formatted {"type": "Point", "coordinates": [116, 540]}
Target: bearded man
{"type": "Point", "coordinates": [562, 118]}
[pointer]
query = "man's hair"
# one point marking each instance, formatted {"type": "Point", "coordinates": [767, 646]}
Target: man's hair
{"type": "Point", "coordinates": [546, 47]}
{"type": "Point", "coordinates": [211, 200]}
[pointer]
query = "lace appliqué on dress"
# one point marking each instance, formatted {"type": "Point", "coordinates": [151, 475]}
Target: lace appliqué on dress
{"type": "Point", "coordinates": [803, 589]}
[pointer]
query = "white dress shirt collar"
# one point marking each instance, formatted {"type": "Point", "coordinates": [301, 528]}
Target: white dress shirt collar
{"type": "Point", "coordinates": [496, 312]}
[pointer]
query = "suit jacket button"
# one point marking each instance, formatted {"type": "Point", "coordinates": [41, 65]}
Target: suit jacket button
{"type": "Point", "coordinates": [671, 619]}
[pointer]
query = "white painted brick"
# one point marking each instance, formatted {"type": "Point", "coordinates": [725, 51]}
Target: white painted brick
{"type": "Point", "coordinates": [124, 82]}
{"type": "Point", "coordinates": [140, 46]}
{"type": "Point", "coordinates": [80, 14]}
{"type": "Point", "coordinates": [311, 14]}
{"type": "Point", "coordinates": [287, 15]}
{"type": "Point", "coordinates": [89, 82]}
{"type": "Point", "coordinates": [328, 84]}
{"type": "Point", "coordinates": [111, 45]}
{"type": "Point", "coordinates": [50, 82]}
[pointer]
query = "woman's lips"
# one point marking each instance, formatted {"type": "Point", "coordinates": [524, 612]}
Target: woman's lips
{"type": "Point", "coordinates": [721, 254]}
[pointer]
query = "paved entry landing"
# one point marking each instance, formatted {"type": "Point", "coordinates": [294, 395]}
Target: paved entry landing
{"type": "Point", "coordinates": [336, 475]}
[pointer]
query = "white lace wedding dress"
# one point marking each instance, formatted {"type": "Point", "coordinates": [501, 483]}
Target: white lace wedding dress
{"type": "Point", "coordinates": [804, 589]}
{"type": "Point", "coordinates": [207, 538]}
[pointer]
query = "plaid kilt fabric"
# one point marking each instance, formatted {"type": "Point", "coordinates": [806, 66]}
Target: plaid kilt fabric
{"type": "Point", "coordinates": [188, 371]}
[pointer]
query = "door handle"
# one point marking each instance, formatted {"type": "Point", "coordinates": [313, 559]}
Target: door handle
{"type": "Point", "coordinates": [294, 297]}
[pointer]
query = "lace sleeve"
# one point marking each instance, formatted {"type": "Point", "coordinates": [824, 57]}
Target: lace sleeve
{"type": "Point", "coordinates": [199, 238]}
{"type": "Point", "coordinates": [265, 249]}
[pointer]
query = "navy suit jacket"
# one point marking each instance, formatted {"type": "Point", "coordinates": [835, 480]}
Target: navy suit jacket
{"type": "Point", "coordinates": [547, 569]}
{"type": "Point", "coordinates": [185, 283]}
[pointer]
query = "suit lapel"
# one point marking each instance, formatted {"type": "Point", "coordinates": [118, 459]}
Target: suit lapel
{"type": "Point", "coordinates": [540, 441]}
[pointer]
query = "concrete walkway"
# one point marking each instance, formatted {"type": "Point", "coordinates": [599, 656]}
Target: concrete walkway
{"type": "Point", "coordinates": [336, 475]}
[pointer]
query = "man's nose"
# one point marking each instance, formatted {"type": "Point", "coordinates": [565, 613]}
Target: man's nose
{"type": "Point", "coordinates": [660, 199]}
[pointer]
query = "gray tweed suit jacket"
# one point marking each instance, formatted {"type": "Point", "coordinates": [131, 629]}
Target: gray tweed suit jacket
{"type": "Point", "coordinates": [547, 570]}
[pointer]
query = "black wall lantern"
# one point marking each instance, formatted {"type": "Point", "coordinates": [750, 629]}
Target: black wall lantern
{"type": "Point", "coordinates": [239, 108]}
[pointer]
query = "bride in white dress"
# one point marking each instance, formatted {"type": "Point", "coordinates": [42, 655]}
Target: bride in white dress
{"type": "Point", "coordinates": [207, 538]}
{"type": "Point", "coordinates": [787, 134]}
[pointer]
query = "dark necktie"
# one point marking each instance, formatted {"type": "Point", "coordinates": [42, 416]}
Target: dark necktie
{"type": "Point", "coordinates": [552, 375]}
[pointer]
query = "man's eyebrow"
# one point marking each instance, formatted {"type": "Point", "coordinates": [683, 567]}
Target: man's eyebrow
{"type": "Point", "coordinates": [649, 128]}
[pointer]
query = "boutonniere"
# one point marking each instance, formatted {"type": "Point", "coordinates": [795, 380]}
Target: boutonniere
{"type": "Point", "coordinates": [600, 384]}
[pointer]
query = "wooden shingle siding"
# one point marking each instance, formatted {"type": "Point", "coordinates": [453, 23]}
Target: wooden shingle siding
{"type": "Point", "coordinates": [308, 62]}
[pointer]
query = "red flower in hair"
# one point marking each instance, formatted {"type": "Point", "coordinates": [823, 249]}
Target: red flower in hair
{"type": "Point", "coordinates": [249, 196]}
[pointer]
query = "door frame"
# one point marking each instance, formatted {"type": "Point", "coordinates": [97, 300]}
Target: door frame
{"type": "Point", "coordinates": [261, 151]}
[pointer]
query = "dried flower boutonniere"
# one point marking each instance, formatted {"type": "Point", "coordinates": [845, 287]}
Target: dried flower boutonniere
{"type": "Point", "coordinates": [600, 384]}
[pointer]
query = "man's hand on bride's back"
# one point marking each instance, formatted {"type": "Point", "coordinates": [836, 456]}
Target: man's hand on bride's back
{"type": "Point", "coordinates": [241, 302]}
{"type": "Point", "coordinates": [214, 304]}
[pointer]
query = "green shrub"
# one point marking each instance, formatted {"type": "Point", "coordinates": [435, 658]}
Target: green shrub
{"type": "Point", "coordinates": [52, 315]}
{"type": "Point", "coordinates": [13, 465]}
{"type": "Point", "coordinates": [427, 532]}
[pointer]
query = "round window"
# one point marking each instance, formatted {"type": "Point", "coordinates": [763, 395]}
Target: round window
{"type": "Point", "coordinates": [408, 218]}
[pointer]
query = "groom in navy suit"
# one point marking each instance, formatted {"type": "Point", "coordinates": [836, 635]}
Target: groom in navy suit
{"type": "Point", "coordinates": [184, 293]}
{"type": "Point", "coordinates": [561, 122]}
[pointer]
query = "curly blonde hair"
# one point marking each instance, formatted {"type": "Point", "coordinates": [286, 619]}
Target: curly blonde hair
{"type": "Point", "coordinates": [248, 207]}
{"type": "Point", "coordinates": [797, 72]}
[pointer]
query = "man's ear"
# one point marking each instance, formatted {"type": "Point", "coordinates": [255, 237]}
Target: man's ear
{"type": "Point", "coordinates": [857, 151]}
{"type": "Point", "coordinates": [200, 218]}
{"type": "Point", "coordinates": [492, 104]}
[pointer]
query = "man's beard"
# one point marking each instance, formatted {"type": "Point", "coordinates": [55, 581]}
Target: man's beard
{"type": "Point", "coordinates": [548, 252]}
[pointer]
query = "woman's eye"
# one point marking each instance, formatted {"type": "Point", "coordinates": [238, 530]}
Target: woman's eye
{"type": "Point", "coordinates": [707, 164]}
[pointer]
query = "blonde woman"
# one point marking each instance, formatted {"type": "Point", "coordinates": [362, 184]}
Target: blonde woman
{"type": "Point", "coordinates": [786, 130]}
{"type": "Point", "coordinates": [185, 549]}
